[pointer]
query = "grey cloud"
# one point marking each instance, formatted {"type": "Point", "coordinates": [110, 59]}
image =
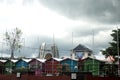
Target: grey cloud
{"type": "Point", "coordinates": [86, 30]}
{"type": "Point", "coordinates": [105, 11]}
{"type": "Point", "coordinates": [33, 43]}
{"type": "Point", "coordinates": [23, 2]}
{"type": "Point", "coordinates": [1, 0]}
{"type": "Point", "coordinates": [27, 2]}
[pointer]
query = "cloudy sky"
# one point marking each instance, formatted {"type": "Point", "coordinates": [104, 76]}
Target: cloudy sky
{"type": "Point", "coordinates": [40, 19]}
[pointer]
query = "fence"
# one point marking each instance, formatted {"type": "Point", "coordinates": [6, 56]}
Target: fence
{"type": "Point", "coordinates": [101, 78]}
{"type": "Point", "coordinates": [32, 77]}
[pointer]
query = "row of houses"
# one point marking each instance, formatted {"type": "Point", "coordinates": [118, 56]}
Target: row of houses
{"type": "Point", "coordinates": [55, 66]}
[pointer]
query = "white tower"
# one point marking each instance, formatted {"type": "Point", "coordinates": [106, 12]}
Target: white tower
{"type": "Point", "coordinates": [48, 48]}
{"type": "Point", "coordinates": [42, 51]}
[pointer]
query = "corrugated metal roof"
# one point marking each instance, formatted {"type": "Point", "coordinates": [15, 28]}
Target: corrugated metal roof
{"type": "Point", "coordinates": [14, 61]}
{"type": "Point", "coordinates": [58, 59]}
{"type": "Point", "coordinates": [41, 60]}
{"type": "Point", "coordinates": [27, 60]}
{"type": "Point", "coordinates": [70, 59]}
{"type": "Point", "coordinates": [3, 61]}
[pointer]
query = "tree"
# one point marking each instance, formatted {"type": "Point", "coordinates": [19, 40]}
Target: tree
{"type": "Point", "coordinates": [112, 50]}
{"type": "Point", "coordinates": [13, 40]}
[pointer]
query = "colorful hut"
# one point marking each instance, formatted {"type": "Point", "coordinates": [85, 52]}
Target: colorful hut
{"type": "Point", "coordinates": [69, 65]}
{"type": "Point", "coordinates": [22, 65]}
{"type": "Point", "coordinates": [2, 68]}
{"type": "Point", "coordinates": [36, 66]}
{"type": "Point", "coordinates": [91, 65]}
{"type": "Point", "coordinates": [9, 66]}
{"type": "Point", "coordinates": [52, 66]}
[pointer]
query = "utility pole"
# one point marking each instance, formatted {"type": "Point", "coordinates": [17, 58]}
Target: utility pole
{"type": "Point", "coordinates": [118, 51]}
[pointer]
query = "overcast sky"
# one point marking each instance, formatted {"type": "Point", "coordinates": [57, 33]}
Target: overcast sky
{"type": "Point", "coordinates": [40, 19]}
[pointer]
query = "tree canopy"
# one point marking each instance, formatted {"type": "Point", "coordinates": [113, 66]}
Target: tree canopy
{"type": "Point", "coordinates": [13, 40]}
{"type": "Point", "coordinates": [113, 48]}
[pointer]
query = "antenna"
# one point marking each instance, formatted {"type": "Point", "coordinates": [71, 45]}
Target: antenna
{"type": "Point", "coordinates": [72, 39]}
{"type": "Point", "coordinates": [72, 54]}
{"type": "Point", "coordinates": [53, 39]}
{"type": "Point", "coordinates": [53, 54]}
{"type": "Point", "coordinates": [93, 50]}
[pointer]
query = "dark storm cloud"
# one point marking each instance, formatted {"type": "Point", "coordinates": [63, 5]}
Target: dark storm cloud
{"type": "Point", "coordinates": [105, 11]}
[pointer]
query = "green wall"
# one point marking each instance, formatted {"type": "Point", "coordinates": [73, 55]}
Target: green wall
{"type": "Point", "coordinates": [8, 67]}
{"type": "Point", "coordinates": [91, 65]}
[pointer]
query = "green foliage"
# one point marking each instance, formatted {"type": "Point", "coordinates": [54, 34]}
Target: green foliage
{"type": "Point", "coordinates": [112, 50]}
{"type": "Point", "coordinates": [13, 40]}
{"type": "Point", "coordinates": [110, 70]}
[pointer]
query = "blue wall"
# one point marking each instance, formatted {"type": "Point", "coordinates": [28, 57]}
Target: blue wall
{"type": "Point", "coordinates": [71, 63]}
{"type": "Point", "coordinates": [21, 64]}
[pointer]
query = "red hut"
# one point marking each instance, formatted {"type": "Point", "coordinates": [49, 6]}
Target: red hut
{"type": "Point", "coordinates": [52, 66]}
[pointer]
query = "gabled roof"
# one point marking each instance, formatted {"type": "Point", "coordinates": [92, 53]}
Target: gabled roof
{"type": "Point", "coordinates": [3, 61]}
{"type": "Point", "coordinates": [81, 48]}
{"type": "Point", "coordinates": [37, 59]}
{"type": "Point", "coordinates": [69, 59]}
{"type": "Point", "coordinates": [58, 59]}
{"type": "Point", "coordinates": [52, 59]}
{"type": "Point", "coordinates": [41, 60]}
{"type": "Point", "coordinates": [25, 60]}
{"type": "Point", "coordinates": [14, 61]}
{"type": "Point", "coordinates": [93, 58]}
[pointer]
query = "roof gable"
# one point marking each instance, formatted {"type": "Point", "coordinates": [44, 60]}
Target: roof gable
{"type": "Point", "coordinates": [21, 61]}
{"type": "Point", "coordinates": [69, 59]}
{"type": "Point", "coordinates": [89, 59]}
{"type": "Point", "coordinates": [35, 60]}
{"type": "Point", "coordinates": [81, 48]}
{"type": "Point", "coordinates": [52, 59]}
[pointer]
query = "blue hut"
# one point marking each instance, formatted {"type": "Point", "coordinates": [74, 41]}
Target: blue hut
{"type": "Point", "coordinates": [22, 64]}
{"type": "Point", "coordinates": [69, 65]}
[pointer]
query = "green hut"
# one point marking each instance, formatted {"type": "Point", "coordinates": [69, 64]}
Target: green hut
{"type": "Point", "coordinates": [9, 66]}
{"type": "Point", "coordinates": [91, 65]}
{"type": "Point", "coordinates": [2, 66]}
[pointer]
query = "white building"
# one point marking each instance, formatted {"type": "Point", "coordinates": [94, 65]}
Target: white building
{"type": "Point", "coordinates": [82, 51]}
